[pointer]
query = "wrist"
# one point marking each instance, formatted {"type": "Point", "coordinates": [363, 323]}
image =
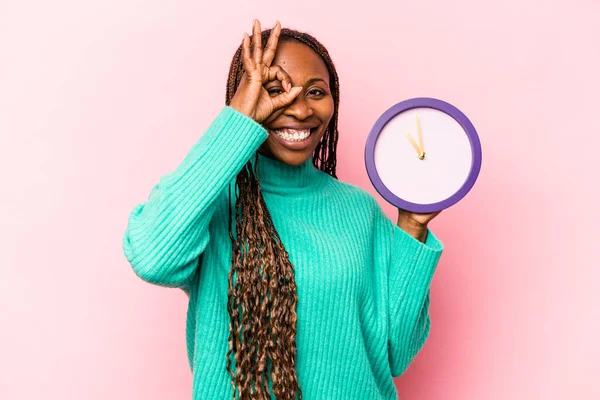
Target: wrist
{"type": "Point", "coordinates": [240, 108]}
{"type": "Point", "coordinates": [413, 228]}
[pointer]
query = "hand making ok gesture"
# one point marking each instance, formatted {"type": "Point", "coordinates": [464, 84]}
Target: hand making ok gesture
{"type": "Point", "coordinates": [251, 98]}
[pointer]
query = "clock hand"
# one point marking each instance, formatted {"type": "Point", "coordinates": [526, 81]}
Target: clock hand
{"type": "Point", "coordinates": [416, 146]}
{"type": "Point", "coordinates": [420, 136]}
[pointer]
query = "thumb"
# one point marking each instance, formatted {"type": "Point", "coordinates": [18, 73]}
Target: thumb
{"type": "Point", "coordinates": [286, 97]}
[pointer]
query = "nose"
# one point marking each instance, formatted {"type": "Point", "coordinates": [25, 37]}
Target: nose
{"type": "Point", "coordinates": [299, 108]}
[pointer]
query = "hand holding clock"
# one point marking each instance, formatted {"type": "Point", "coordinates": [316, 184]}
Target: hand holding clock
{"type": "Point", "coordinates": [416, 223]}
{"type": "Point", "coordinates": [421, 187]}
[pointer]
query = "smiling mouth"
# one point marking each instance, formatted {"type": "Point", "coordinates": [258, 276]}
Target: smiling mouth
{"type": "Point", "coordinates": [294, 135]}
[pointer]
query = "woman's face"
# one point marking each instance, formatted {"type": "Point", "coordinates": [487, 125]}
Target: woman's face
{"type": "Point", "coordinates": [311, 109]}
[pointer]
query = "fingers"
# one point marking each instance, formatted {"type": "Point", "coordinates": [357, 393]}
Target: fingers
{"type": "Point", "coordinates": [269, 52]}
{"type": "Point", "coordinates": [276, 72]}
{"type": "Point", "coordinates": [252, 51]}
{"type": "Point", "coordinates": [256, 42]}
{"type": "Point", "coordinates": [246, 55]}
{"type": "Point", "coordinates": [286, 98]}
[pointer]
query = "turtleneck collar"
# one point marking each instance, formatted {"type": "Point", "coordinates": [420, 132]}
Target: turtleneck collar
{"type": "Point", "coordinates": [277, 176]}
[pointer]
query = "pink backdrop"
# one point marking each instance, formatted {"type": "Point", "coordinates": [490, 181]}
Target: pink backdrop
{"type": "Point", "coordinates": [100, 98]}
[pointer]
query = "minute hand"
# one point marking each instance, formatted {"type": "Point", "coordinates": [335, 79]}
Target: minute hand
{"type": "Point", "coordinates": [420, 137]}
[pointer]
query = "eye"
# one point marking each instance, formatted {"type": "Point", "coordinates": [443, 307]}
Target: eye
{"type": "Point", "coordinates": [316, 92]}
{"type": "Point", "coordinates": [275, 91]}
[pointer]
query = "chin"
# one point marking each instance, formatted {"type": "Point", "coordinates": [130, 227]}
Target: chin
{"type": "Point", "coordinates": [291, 158]}
{"type": "Point", "coordinates": [287, 156]}
{"type": "Point", "coordinates": [296, 159]}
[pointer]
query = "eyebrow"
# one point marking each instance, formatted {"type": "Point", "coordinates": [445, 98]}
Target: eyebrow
{"type": "Point", "coordinates": [312, 80]}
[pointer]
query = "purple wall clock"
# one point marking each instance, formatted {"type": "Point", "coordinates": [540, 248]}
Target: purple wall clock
{"type": "Point", "coordinates": [423, 155]}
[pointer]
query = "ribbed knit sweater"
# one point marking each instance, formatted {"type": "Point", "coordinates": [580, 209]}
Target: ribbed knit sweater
{"type": "Point", "coordinates": [363, 283]}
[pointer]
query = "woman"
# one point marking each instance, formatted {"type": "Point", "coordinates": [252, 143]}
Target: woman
{"type": "Point", "coordinates": [299, 286]}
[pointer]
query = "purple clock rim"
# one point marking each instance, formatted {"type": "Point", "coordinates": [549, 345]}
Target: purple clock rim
{"type": "Point", "coordinates": [423, 102]}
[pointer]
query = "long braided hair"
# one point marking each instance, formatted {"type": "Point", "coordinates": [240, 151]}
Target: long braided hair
{"type": "Point", "coordinates": [262, 301]}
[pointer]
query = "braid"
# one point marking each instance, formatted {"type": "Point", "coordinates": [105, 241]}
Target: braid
{"type": "Point", "coordinates": [262, 301]}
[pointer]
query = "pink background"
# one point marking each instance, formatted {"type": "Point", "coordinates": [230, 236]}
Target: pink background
{"type": "Point", "coordinates": [98, 99]}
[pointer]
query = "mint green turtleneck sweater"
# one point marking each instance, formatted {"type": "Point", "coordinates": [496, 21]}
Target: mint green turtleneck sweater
{"type": "Point", "coordinates": [362, 282]}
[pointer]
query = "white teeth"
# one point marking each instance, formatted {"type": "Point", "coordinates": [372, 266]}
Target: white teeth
{"type": "Point", "coordinates": [294, 135]}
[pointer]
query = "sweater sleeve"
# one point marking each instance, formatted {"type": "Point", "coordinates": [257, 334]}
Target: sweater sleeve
{"type": "Point", "coordinates": [412, 264]}
{"type": "Point", "coordinates": [166, 235]}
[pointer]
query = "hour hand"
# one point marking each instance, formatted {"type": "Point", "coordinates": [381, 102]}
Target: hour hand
{"type": "Point", "coordinates": [420, 152]}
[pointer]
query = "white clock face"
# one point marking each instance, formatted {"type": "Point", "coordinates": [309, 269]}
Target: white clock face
{"type": "Point", "coordinates": [446, 163]}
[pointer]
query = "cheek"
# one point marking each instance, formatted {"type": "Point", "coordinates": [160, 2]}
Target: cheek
{"type": "Point", "coordinates": [326, 113]}
{"type": "Point", "coordinates": [326, 109]}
